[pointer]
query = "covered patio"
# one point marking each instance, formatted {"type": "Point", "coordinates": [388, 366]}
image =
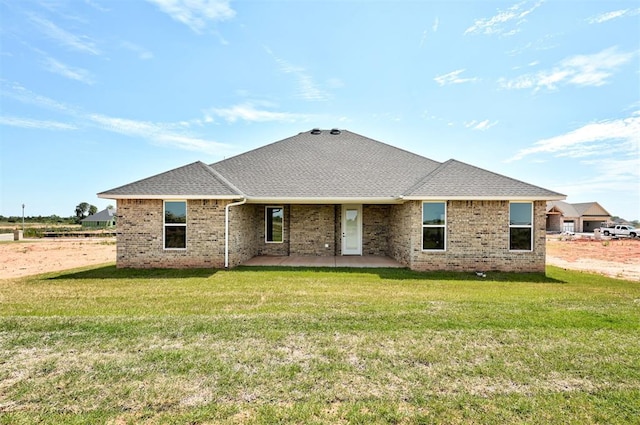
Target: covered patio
{"type": "Point", "coordinates": [368, 261]}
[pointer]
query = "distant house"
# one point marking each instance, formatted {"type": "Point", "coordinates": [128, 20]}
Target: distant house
{"type": "Point", "coordinates": [583, 217]}
{"type": "Point", "coordinates": [100, 220]}
{"type": "Point", "coordinates": [332, 193]}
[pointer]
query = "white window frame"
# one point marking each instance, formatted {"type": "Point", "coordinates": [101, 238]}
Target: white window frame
{"type": "Point", "coordinates": [165, 224]}
{"type": "Point", "coordinates": [443, 226]}
{"type": "Point", "coordinates": [266, 223]}
{"type": "Point", "coordinates": [521, 226]}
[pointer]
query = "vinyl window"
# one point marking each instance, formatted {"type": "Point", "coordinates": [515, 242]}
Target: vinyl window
{"type": "Point", "coordinates": [434, 226]}
{"type": "Point", "coordinates": [175, 225]}
{"type": "Point", "coordinates": [521, 226]}
{"type": "Point", "coordinates": [274, 224]}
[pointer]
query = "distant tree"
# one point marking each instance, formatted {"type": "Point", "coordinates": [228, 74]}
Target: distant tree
{"type": "Point", "coordinates": [82, 210]}
{"type": "Point", "coordinates": [93, 209]}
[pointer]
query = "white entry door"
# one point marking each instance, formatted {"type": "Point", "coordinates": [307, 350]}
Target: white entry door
{"type": "Point", "coordinates": [352, 230]}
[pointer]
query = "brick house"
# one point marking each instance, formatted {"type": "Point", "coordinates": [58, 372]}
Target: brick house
{"type": "Point", "coordinates": [583, 217]}
{"type": "Point", "coordinates": [332, 193]}
{"type": "Point", "coordinates": [104, 219]}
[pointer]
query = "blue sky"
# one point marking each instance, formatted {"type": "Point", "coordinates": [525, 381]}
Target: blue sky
{"type": "Point", "coordinates": [95, 93]}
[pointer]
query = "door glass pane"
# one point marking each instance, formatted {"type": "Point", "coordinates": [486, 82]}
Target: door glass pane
{"type": "Point", "coordinates": [351, 230]}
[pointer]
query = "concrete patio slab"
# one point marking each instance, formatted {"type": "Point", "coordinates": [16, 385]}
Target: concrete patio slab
{"type": "Point", "coordinates": [340, 261]}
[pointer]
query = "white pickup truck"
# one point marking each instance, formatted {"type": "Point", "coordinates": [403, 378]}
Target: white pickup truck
{"type": "Point", "coordinates": [620, 230]}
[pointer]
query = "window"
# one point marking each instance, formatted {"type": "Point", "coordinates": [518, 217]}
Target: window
{"type": "Point", "coordinates": [175, 225]}
{"type": "Point", "coordinates": [520, 226]}
{"type": "Point", "coordinates": [274, 221]}
{"type": "Point", "coordinates": [434, 223]}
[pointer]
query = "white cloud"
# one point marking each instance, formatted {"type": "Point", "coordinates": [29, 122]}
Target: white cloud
{"type": "Point", "coordinates": [248, 112]}
{"type": "Point", "coordinates": [608, 16]}
{"type": "Point", "coordinates": [501, 23]}
{"type": "Point", "coordinates": [580, 70]}
{"type": "Point", "coordinates": [35, 124]}
{"type": "Point", "coordinates": [142, 53]}
{"type": "Point", "coordinates": [615, 178]}
{"type": "Point", "coordinates": [480, 125]}
{"type": "Point", "coordinates": [156, 133]}
{"type": "Point", "coordinates": [77, 74]}
{"type": "Point", "coordinates": [619, 136]}
{"type": "Point", "coordinates": [307, 88]}
{"type": "Point", "coordinates": [167, 134]}
{"type": "Point", "coordinates": [96, 6]}
{"type": "Point", "coordinates": [23, 95]}
{"type": "Point", "coordinates": [79, 43]}
{"type": "Point", "coordinates": [196, 14]}
{"type": "Point", "coordinates": [423, 39]}
{"type": "Point", "coordinates": [453, 78]}
{"type": "Point", "coordinates": [434, 29]}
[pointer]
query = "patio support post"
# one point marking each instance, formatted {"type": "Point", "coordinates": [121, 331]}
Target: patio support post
{"type": "Point", "coordinates": [226, 230]}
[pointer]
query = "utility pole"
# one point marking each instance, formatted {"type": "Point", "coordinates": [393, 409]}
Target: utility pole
{"type": "Point", "coordinates": [22, 218]}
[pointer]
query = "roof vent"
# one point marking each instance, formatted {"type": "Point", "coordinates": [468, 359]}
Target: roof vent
{"type": "Point", "coordinates": [335, 131]}
{"type": "Point", "coordinates": [316, 131]}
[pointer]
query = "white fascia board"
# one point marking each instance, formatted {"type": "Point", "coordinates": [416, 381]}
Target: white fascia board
{"type": "Point", "coordinates": [323, 200]}
{"type": "Point", "coordinates": [484, 198]}
{"type": "Point", "coordinates": [222, 197]}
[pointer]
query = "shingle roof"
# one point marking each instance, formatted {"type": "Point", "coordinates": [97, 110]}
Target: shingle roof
{"type": "Point", "coordinates": [591, 208]}
{"type": "Point", "coordinates": [455, 179]}
{"type": "Point", "coordinates": [565, 208]}
{"type": "Point", "coordinates": [104, 215]}
{"type": "Point", "coordinates": [325, 165]}
{"type": "Point", "coordinates": [193, 180]}
{"type": "Point", "coordinates": [579, 210]}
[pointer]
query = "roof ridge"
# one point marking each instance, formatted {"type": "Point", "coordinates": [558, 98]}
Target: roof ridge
{"type": "Point", "coordinates": [505, 176]}
{"type": "Point", "coordinates": [220, 177]}
{"type": "Point", "coordinates": [432, 173]}
{"type": "Point", "coordinates": [149, 178]}
{"type": "Point", "coordinates": [253, 150]}
{"type": "Point", "coordinates": [394, 147]}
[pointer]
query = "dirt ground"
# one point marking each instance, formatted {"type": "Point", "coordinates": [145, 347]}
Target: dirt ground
{"type": "Point", "coordinates": [35, 256]}
{"type": "Point", "coordinates": [615, 258]}
{"type": "Point", "coordinates": [618, 258]}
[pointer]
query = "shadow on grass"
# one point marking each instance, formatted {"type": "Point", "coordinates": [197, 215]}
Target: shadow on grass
{"type": "Point", "coordinates": [111, 272]}
{"type": "Point", "coordinates": [406, 274]}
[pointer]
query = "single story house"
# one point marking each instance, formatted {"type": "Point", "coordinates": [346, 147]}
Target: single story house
{"type": "Point", "coordinates": [332, 193]}
{"type": "Point", "coordinates": [101, 220]}
{"type": "Point", "coordinates": [580, 218]}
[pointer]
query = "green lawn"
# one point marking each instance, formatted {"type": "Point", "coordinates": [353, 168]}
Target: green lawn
{"type": "Point", "coordinates": [318, 346]}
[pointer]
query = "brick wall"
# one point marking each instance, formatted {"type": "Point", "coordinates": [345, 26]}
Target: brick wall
{"type": "Point", "coordinates": [140, 235]}
{"type": "Point", "coordinates": [375, 229]}
{"type": "Point", "coordinates": [478, 239]}
{"type": "Point", "coordinates": [401, 231]}
{"type": "Point", "coordinates": [477, 235]}
{"type": "Point", "coordinates": [243, 233]}
{"type": "Point", "coordinates": [271, 248]}
{"type": "Point", "coordinates": [312, 230]}
{"type": "Point", "coordinates": [554, 223]}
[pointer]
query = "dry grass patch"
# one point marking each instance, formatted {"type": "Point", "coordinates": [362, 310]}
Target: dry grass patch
{"type": "Point", "coordinates": [318, 346]}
